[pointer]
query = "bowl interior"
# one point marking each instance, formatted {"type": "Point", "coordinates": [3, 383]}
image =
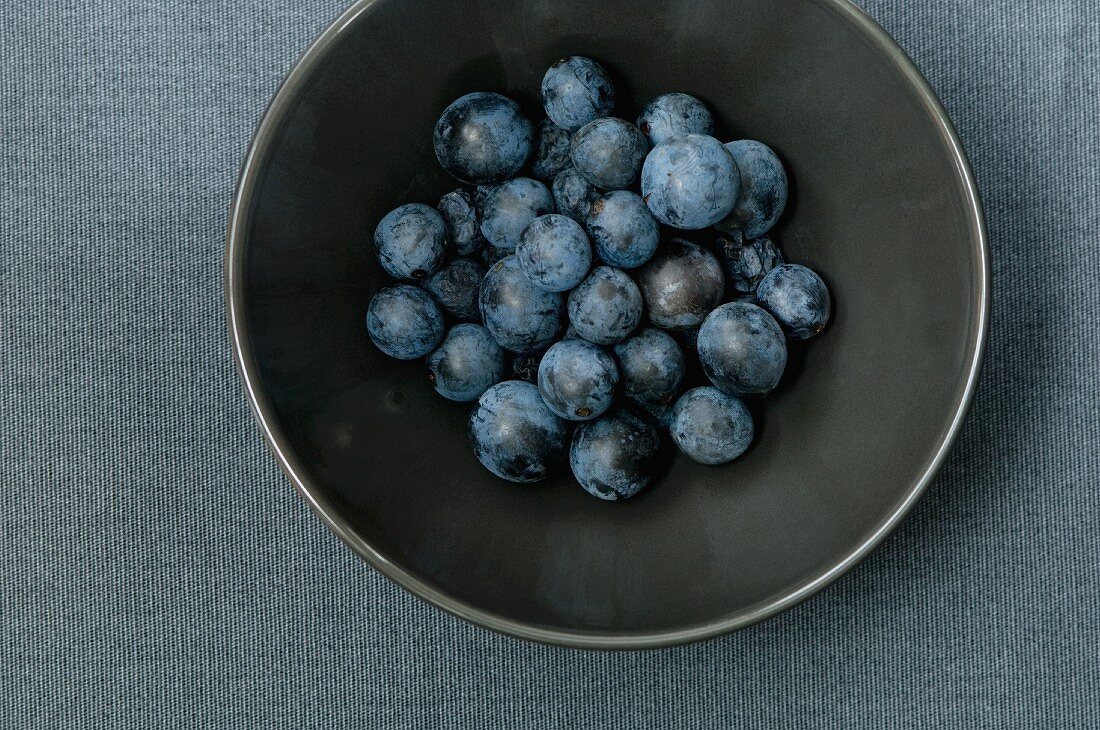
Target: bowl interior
{"type": "Point", "coordinates": [880, 206]}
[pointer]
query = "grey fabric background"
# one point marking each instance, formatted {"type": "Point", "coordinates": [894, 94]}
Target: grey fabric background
{"type": "Point", "coordinates": [157, 569]}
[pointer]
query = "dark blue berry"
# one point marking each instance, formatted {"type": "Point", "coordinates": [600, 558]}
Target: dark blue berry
{"type": "Point", "coordinates": [404, 322]}
{"type": "Point", "coordinates": [681, 285]}
{"type": "Point", "coordinates": [742, 349]}
{"type": "Point", "coordinates": [747, 261]}
{"type": "Point", "coordinates": [609, 152]}
{"type": "Point", "coordinates": [507, 209]}
{"type": "Point", "coordinates": [410, 241]}
{"type": "Point", "coordinates": [606, 307]}
{"type": "Point", "coordinates": [577, 380]}
{"type": "Point", "coordinates": [576, 90]}
{"type": "Point", "coordinates": [551, 150]}
{"type": "Point", "coordinates": [515, 435]}
{"type": "Point", "coordinates": [710, 426]}
{"type": "Point", "coordinates": [463, 226]}
{"type": "Point", "coordinates": [521, 316]}
{"type": "Point", "coordinates": [466, 364]}
{"type": "Point", "coordinates": [482, 138]}
{"type": "Point", "coordinates": [455, 288]}
{"type": "Point", "coordinates": [652, 367]}
{"type": "Point", "coordinates": [797, 298]}
{"type": "Point", "coordinates": [763, 194]}
{"type": "Point", "coordinates": [573, 194]}
{"type": "Point", "coordinates": [689, 182]}
{"type": "Point", "coordinates": [616, 456]}
{"type": "Point", "coordinates": [623, 230]}
{"type": "Point", "coordinates": [554, 252]}
{"type": "Point", "coordinates": [674, 115]}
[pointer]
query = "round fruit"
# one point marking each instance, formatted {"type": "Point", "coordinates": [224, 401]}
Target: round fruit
{"type": "Point", "coordinates": [507, 209]}
{"type": "Point", "coordinates": [577, 380]}
{"type": "Point", "coordinates": [747, 261]}
{"type": "Point", "coordinates": [551, 150]}
{"type": "Point", "coordinates": [674, 115]}
{"type": "Point", "coordinates": [710, 426]}
{"type": "Point", "coordinates": [576, 90]}
{"type": "Point", "coordinates": [404, 322]}
{"type": "Point", "coordinates": [689, 182]}
{"type": "Point", "coordinates": [460, 215]}
{"type": "Point", "coordinates": [455, 288]}
{"type": "Point", "coordinates": [410, 241]}
{"type": "Point", "coordinates": [521, 316]}
{"type": "Point", "coordinates": [466, 364]}
{"type": "Point", "coordinates": [482, 138]}
{"type": "Point", "coordinates": [681, 285]}
{"type": "Point", "coordinates": [742, 350]}
{"type": "Point", "coordinates": [606, 306]}
{"type": "Point", "coordinates": [797, 298]}
{"type": "Point", "coordinates": [616, 456]}
{"type": "Point", "coordinates": [554, 252]}
{"type": "Point", "coordinates": [763, 193]}
{"type": "Point", "coordinates": [515, 435]}
{"type": "Point", "coordinates": [609, 152]}
{"type": "Point", "coordinates": [573, 194]}
{"type": "Point", "coordinates": [623, 230]}
{"type": "Point", "coordinates": [652, 367]}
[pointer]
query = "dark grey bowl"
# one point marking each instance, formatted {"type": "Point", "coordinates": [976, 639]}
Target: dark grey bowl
{"type": "Point", "coordinates": [884, 206]}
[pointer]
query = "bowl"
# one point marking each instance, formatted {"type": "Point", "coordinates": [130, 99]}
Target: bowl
{"type": "Point", "coordinates": [883, 205]}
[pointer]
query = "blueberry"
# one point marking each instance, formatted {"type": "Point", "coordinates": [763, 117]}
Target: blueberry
{"type": "Point", "coordinates": [689, 182]}
{"type": "Point", "coordinates": [616, 456]}
{"type": "Point", "coordinates": [525, 366]}
{"type": "Point", "coordinates": [455, 286]}
{"type": "Point", "coordinates": [763, 193]}
{"type": "Point", "coordinates": [507, 209]}
{"type": "Point", "coordinates": [710, 426]}
{"type": "Point", "coordinates": [491, 254]}
{"type": "Point", "coordinates": [747, 261]}
{"type": "Point", "coordinates": [606, 306]}
{"type": "Point", "coordinates": [467, 363]}
{"type": "Point", "coordinates": [410, 241]}
{"type": "Point", "coordinates": [482, 138]}
{"type": "Point", "coordinates": [576, 90]}
{"type": "Point", "coordinates": [517, 313]}
{"type": "Point", "coordinates": [797, 298]}
{"type": "Point", "coordinates": [571, 333]}
{"type": "Point", "coordinates": [515, 435]}
{"type": "Point", "coordinates": [551, 150]}
{"type": "Point", "coordinates": [573, 194]}
{"type": "Point", "coordinates": [404, 322]}
{"type": "Point", "coordinates": [652, 368]}
{"type": "Point", "coordinates": [577, 380]}
{"type": "Point", "coordinates": [681, 285]}
{"type": "Point", "coordinates": [674, 115]}
{"type": "Point", "coordinates": [554, 252]}
{"type": "Point", "coordinates": [460, 215]}
{"type": "Point", "coordinates": [742, 350]}
{"type": "Point", "coordinates": [623, 230]}
{"type": "Point", "coordinates": [609, 152]}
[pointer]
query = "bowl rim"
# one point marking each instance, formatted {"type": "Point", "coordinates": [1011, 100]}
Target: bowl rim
{"type": "Point", "coordinates": [263, 410]}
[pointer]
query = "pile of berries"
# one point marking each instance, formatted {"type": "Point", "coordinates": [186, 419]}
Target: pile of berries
{"type": "Point", "coordinates": [547, 291]}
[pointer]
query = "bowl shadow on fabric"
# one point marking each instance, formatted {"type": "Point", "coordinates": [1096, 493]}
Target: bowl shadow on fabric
{"type": "Point", "coordinates": [848, 436]}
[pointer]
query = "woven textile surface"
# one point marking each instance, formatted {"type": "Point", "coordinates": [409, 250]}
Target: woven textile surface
{"type": "Point", "coordinates": [137, 588]}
